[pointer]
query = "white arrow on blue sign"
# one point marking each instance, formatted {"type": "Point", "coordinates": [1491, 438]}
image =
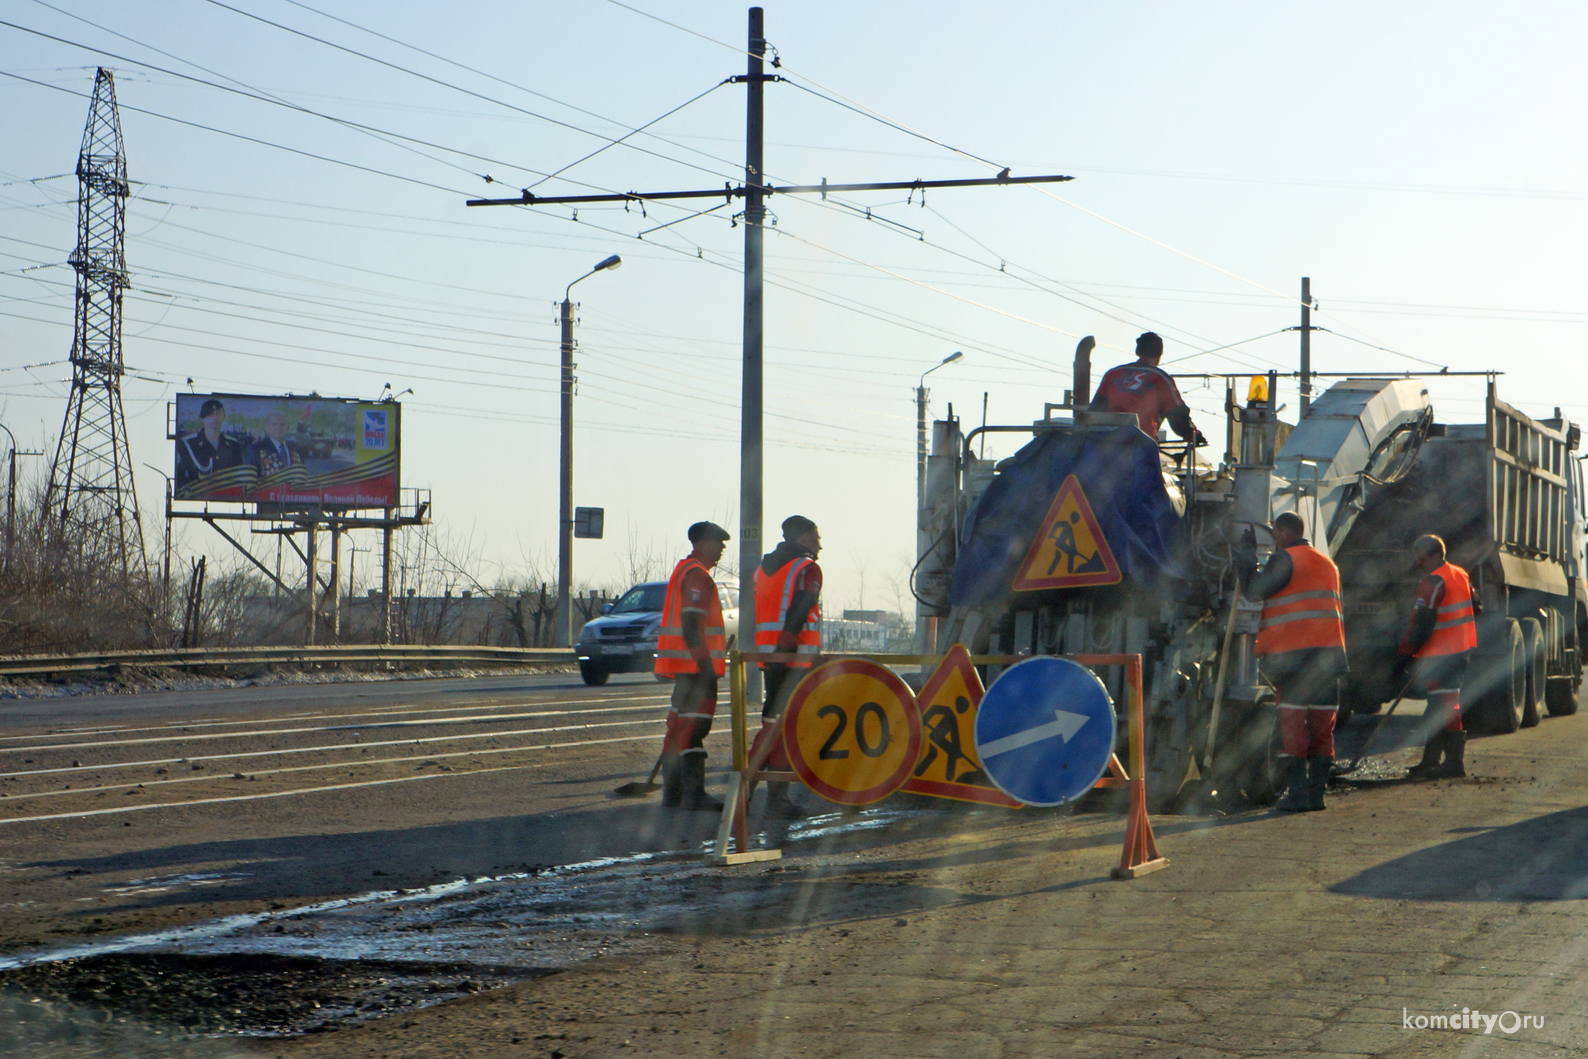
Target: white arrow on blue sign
{"type": "Point", "coordinates": [1045, 731]}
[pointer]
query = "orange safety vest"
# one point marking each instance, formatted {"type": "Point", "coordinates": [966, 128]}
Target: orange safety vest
{"type": "Point", "coordinates": [672, 653]}
{"type": "Point", "coordinates": [1306, 613]}
{"type": "Point", "coordinates": [1455, 626]}
{"type": "Point", "coordinates": [773, 593]}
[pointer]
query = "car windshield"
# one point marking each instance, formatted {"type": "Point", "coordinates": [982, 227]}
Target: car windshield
{"type": "Point", "coordinates": [641, 598]}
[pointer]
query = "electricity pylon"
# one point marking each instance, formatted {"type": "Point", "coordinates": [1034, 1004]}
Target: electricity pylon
{"type": "Point", "coordinates": [90, 491]}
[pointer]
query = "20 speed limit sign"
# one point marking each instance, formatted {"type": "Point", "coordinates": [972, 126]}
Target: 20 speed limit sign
{"type": "Point", "coordinates": [853, 732]}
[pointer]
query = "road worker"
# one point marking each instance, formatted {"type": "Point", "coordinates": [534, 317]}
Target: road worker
{"type": "Point", "coordinates": [788, 621]}
{"type": "Point", "coordinates": [692, 649]}
{"type": "Point", "coordinates": [1301, 642]}
{"type": "Point", "coordinates": [1440, 636]}
{"type": "Point", "coordinates": [1147, 390]}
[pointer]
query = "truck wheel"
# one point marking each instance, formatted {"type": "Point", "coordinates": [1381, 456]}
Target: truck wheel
{"type": "Point", "coordinates": [1560, 696]}
{"type": "Point", "coordinates": [1497, 679]}
{"type": "Point", "coordinates": [1261, 779]}
{"type": "Point", "coordinates": [593, 675]}
{"type": "Point", "coordinates": [1533, 671]}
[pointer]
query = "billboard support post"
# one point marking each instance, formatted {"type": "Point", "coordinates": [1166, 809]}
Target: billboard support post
{"type": "Point", "coordinates": [311, 588]}
{"type": "Point", "coordinates": [334, 590]}
{"type": "Point", "coordinates": [385, 583]}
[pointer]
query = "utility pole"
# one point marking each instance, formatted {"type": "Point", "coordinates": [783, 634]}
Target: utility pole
{"type": "Point", "coordinates": [754, 192]}
{"type": "Point", "coordinates": [750, 440]}
{"type": "Point", "coordinates": [565, 485]}
{"type": "Point", "coordinates": [1306, 345]}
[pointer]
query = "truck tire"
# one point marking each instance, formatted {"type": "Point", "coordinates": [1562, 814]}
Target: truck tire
{"type": "Point", "coordinates": [1533, 671]}
{"type": "Point", "coordinates": [1560, 696]}
{"type": "Point", "coordinates": [1260, 777]}
{"type": "Point", "coordinates": [593, 675]}
{"type": "Point", "coordinates": [1491, 693]}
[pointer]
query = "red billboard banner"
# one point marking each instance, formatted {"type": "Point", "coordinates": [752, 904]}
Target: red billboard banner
{"type": "Point", "coordinates": [290, 451]}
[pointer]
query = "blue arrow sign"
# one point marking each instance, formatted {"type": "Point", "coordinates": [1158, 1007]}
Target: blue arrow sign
{"type": "Point", "coordinates": [1045, 731]}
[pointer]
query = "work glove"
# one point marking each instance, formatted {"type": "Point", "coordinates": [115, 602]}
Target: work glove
{"type": "Point", "coordinates": [1198, 439]}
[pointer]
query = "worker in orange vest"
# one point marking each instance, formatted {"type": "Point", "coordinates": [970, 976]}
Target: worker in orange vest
{"type": "Point", "coordinates": [1441, 636]}
{"type": "Point", "coordinates": [788, 621]}
{"type": "Point", "coordinates": [692, 649]}
{"type": "Point", "coordinates": [1301, 642]}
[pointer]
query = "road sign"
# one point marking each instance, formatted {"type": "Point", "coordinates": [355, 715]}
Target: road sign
{"type": "Point", "coordinates": [1070, 550]}
{"type": "Point", "coordinates": [1045, 731]}
{"type": "Point", "coordinates": [589, 521]}
{"type": "Point", "coordinates": [948, 766]}
{"type": "Point", "coordinates": [852, 732]}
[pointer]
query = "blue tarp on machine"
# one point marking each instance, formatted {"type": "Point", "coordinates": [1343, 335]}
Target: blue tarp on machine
{"type": "Point", "coordinates": [1123, 481]}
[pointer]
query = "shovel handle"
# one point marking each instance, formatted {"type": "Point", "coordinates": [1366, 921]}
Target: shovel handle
{"type": "Point", "coordinates": [1371, 735]}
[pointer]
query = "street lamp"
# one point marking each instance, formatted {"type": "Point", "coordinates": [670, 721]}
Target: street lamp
{"type": "Point", "coordinates": [565, 481]}
{"type": "Point", "coordinates": [920, 430]}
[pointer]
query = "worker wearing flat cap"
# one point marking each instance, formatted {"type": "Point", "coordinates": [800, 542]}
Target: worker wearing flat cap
{"type": "Point", "coordinates": [692, 649]}
{"type": "Point", "coordinates": [206, 450]}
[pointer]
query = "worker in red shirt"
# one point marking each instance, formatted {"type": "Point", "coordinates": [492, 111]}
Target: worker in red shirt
{"type": "Point", "coordinates": [692, 649]}
{"type": "Point", "coordinates": [1440, 637]}
{"type": "Point", "coordinates": [1147, 390]}
{"type": "Point", "coordinates": [788, 621]}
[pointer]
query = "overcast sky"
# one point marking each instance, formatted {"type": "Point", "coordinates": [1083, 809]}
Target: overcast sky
{"type": "Point", "coordinates": [1422, 164]}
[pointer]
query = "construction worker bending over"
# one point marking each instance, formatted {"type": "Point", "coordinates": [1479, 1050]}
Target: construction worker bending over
{"type": "Point", "coordinates": [788, 620]}
{"type": "Point", "coordinates": [1441, 636]}
{"type": "Point", "coordinates": [692, 648]}
{"type": "Point", "coordinates": [1301, 642]}
{"type": "Point", "coordinates": [1147, 390]}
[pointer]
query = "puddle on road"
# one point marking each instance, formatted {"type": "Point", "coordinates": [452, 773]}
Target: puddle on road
{"type": "Point", "coordinates": [363, 957]}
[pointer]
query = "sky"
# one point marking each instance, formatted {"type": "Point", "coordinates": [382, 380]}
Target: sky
{"type": "Point", "coordinates": [297, 224]}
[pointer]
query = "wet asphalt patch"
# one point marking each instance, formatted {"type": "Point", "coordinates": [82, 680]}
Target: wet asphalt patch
{"type": "Point", "coordinates": [247, 994]}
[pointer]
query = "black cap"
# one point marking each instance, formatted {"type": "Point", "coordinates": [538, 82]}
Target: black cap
{"type": "Point", "coordinates": [210, 406]}
{"type": "Point", "coordinates": [1149, 345]}
{"type": "Point", "coordinates": [707, 531]}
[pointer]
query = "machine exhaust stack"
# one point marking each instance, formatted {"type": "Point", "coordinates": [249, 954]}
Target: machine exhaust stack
{"type": "Point", "coordinates": [1082, 370]}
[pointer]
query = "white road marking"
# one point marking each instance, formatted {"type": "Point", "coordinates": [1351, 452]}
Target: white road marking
{"type": "Point", "coordinates": [1064, 725]}
{"type": "Point", "coordinates": [349, 763]}
{"type": "Point", "coordinates": [318, 790]}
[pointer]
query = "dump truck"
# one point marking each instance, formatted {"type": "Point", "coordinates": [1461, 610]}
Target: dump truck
{"type": "Point", "coordinates": [1094, 538]}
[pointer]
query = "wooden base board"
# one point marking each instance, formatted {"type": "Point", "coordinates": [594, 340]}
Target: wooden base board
{"type": "Point", "coordinates": [721, 859]}
{"type": "Point", "coordinates": [1139, 870]}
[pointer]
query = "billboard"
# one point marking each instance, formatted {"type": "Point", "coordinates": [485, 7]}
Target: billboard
{"type": "Point", "coordinates": [293, 451]}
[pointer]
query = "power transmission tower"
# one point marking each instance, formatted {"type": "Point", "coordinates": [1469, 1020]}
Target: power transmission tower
{"type": "Point", "coordinates": [90, 488]}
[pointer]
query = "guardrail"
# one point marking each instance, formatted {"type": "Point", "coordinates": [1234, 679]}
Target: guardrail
{"type": "Point", "coordinates": [36, 665]}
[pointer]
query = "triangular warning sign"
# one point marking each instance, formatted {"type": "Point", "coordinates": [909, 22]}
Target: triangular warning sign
{"type": "Point", "coordinates": [947, 766]}
{"type": "Point", "coordinates": [1070, 550]}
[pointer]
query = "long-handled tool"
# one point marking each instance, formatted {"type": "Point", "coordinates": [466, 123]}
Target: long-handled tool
{"type": "Point", "coordinates": [636, 789]}
{"type": "Point", "coordinates": [1356, 761]}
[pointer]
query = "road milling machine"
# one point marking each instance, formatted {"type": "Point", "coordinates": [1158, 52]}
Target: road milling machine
{"type": "Point", "coordinates": [1094, 538]}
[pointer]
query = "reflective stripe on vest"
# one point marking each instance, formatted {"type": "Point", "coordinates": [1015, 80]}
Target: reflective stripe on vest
{"type": "Point", "coordinates": [773, 594]}
{"type": "Point", "coordinates": [672, 651]}
{"type": "Point", "coordinates": [1306, 613]}
{"type": "Point", "coordinates": [1455, 625]}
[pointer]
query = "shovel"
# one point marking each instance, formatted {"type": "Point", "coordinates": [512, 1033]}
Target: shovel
{"type": "Point", "coordinates": [1357, 761]}
{"type": "Point", "coordinates": [636, 789]}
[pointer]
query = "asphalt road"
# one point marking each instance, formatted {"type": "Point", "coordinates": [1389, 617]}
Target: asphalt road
{"type": "Point", "coordinates": [905, 931]}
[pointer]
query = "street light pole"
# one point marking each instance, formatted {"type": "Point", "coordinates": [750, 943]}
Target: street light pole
{"type": "Point", "coordinates": [920, 430]}
{"type": "Point", "coordinates": [565, 473]}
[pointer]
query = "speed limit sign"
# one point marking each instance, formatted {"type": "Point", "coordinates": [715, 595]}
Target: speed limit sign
{"type": "Point", "coordinates": [853, 732]}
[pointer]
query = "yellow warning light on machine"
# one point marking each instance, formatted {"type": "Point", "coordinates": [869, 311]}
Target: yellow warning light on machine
{"type": "Point", "coordinates": [1258, 390]}
{"type": "Point", "coordinates": [1070, 550]}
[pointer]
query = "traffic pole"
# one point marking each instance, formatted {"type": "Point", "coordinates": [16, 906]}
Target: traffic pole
{"type": "Point", "coordinates": [564, 629]}
{"type": "Point", "coordinates": [750, 444]}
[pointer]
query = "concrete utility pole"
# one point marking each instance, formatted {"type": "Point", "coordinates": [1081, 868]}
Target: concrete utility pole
{"type": "Point", "coordinates": [565, 465]}
{"type": "Point", "coordinates": [750, 441]}
{"type": "Point", "coordinates": [920, 429]}
{"type": "Point", "coordinates": [1306, 345]}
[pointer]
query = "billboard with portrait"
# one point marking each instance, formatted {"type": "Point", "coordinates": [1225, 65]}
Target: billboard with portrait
{"type": "Point", "coordinates": [291, 451]}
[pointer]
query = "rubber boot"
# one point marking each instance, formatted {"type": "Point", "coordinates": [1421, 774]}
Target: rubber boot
{"type": "Point", "coordinates": [1430, 761]}
{"type": "Point", "coordinates": [779, 806]}
{"type": "Point", "coordinates": [693, 772]}
{"type": "Point", "coordinates": [1455, 764]}
{"type": "Point", "coordinates": [1294, 773]}
{"type": "Point", "coordinates": [672, 782]}
{"type": "Point", "coordinates": [1317, 780]}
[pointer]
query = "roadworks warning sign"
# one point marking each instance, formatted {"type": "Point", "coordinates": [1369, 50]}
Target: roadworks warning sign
{"type": "Point", "coordinates": [1070, 550]}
